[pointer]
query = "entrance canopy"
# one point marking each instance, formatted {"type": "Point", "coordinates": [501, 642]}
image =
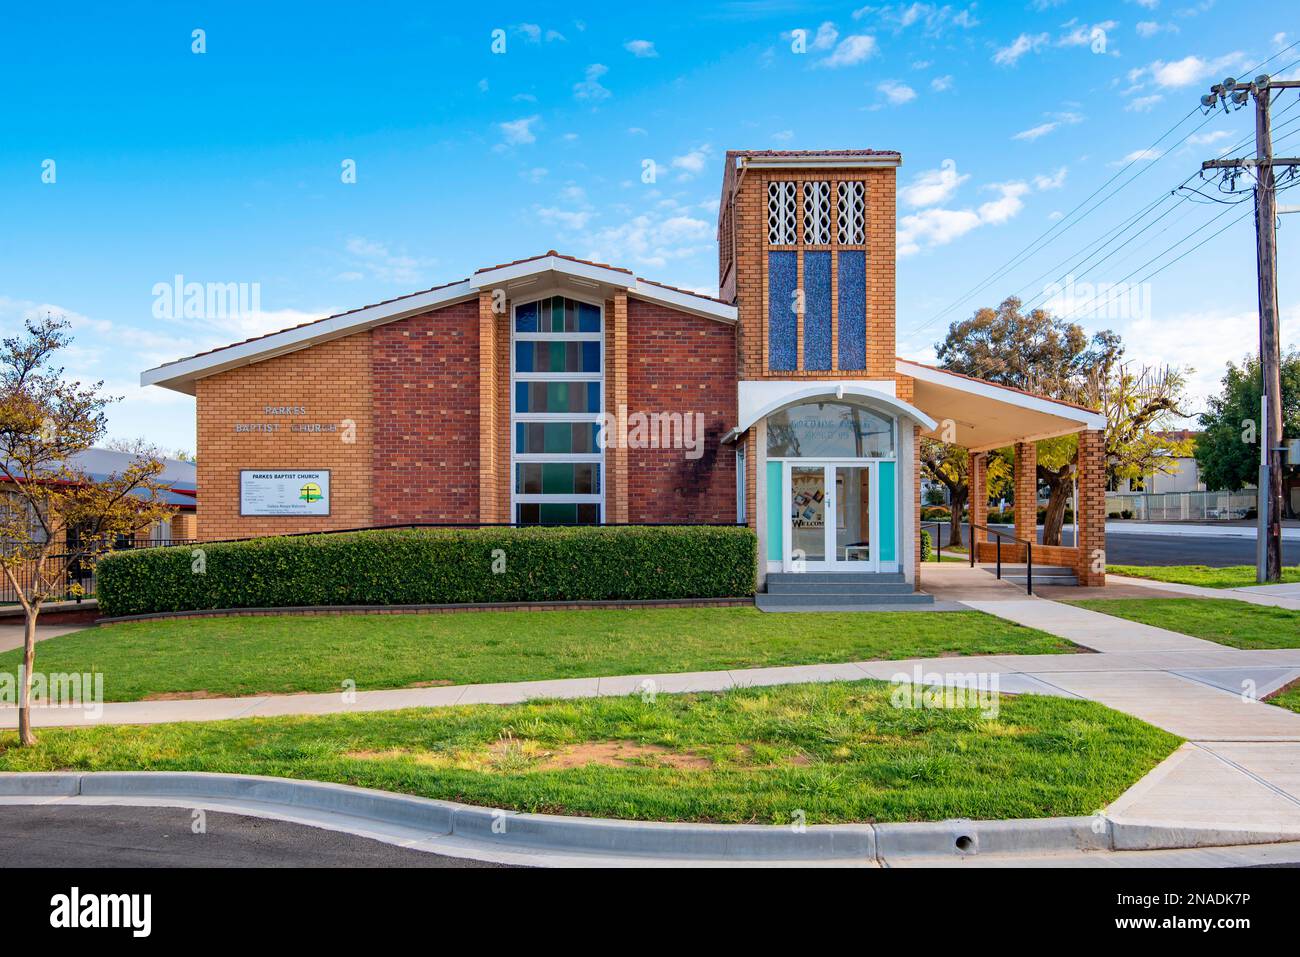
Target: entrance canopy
{"type": "Point", "coordinates": [988, 416]}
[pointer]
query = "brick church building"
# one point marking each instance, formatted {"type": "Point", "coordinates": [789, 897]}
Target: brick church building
{"type": "Point", "coordinates": [555, 390]}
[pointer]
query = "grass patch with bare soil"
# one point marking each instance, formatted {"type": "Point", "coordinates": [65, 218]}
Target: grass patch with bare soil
{"type": "Point", "coordinates": [837, 752]}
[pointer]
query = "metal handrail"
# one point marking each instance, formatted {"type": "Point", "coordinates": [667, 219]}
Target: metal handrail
{"type": "Point", "coordinates": [1029, 552]}
{"type": "Point", "coordinates": [938, 547]}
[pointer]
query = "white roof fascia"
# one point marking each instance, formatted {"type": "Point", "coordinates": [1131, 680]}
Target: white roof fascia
{"type": "Point", "coordinates": [796, 162]}
{"type": "Point", "coordinates": [1087, 419]}
{"type": "Point", "coordinates": [685, 301]}
{"type": "Point", "coordinates": [179, 376]}
{"type": "Point", "coordinates": [501, 275]}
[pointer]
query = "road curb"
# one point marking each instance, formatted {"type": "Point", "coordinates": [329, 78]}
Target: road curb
{"type": "Point", "coordinates": [507, 831]}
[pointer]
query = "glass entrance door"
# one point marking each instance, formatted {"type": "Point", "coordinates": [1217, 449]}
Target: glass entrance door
{"type": "Point", "coordinates": [831, 517]}
{"type": "Point", "coordinates": [808, 501]}
{"type": "Point", "coordinates": [853, 515]}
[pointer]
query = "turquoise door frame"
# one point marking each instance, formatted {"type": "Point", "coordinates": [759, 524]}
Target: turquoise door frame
{"type": "Point", "coordinates": [884, 527]}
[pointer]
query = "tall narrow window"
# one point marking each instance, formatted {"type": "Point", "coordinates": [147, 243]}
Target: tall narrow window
{"type": "Point", "coordinates": [556, 400]}
{"type": "Point", "coordinates": [852, 214]}
{"type": "Point", "coordinates": [780, 214]}
{"type": "Point", "coordinates": [817, 214]}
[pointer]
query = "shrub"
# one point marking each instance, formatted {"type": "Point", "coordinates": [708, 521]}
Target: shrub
{"type": "Point", "coordinates": [925, 545]}
{"type": "Point", "coordinates": [936, 513]}
{"type": "Point", "coordinates": [434, 566]}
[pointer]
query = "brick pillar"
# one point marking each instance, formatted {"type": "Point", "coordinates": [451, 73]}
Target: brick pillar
{"type": "Point", "coordinates": [487, 414]}
{"type": "Point", "coordinates": [1026, 491]}
{"type": "Point", "coordinates": [1091, 568]}
{"type": "Point", "coordinates": [977, 472]}
{"type": "Point", "coordinates": [616, 510]}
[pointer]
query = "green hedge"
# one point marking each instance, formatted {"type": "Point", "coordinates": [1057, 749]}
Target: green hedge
{"type": "Point", "coordinates": [433, 566]}
{"type": "Point", "coordinates": [925, 545]}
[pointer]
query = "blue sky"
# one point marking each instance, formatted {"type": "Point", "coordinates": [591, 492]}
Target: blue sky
{"type": "Point", "coordinates": [225, 166]}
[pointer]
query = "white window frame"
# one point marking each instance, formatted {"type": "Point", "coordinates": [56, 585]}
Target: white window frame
{"type": "Point", "coordinates": [852, 223]}
{"type": "Point", "coordinates": [782, 219]}
{"type": "Point", "coordinates": [516, 457]}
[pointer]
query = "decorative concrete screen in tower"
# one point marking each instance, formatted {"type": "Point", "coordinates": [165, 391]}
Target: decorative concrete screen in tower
{"type": "Point", "coordinates": [852, 214]}
{"type": "Point", "coordinates": [817, 214]}
{"type": "Point", "coordinates": [781, 214]}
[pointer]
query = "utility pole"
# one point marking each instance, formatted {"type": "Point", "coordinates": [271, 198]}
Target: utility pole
{"type": "Point", "coordinates": [1229, 92]}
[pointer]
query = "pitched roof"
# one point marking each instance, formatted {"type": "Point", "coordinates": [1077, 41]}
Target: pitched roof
{"type": "Point", "coordinates": [180, 374]}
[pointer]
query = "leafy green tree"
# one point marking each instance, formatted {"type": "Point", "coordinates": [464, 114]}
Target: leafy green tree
{"type": "Point", "coordinates": [1227, 450]}
{"type": "Point", "coordinates": [1042, 353]}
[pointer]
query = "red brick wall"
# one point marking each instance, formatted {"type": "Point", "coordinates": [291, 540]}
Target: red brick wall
{"type": "Point", "coordinates": [426, 417]}
{"type": "Point", "coordinates": [681, 363]}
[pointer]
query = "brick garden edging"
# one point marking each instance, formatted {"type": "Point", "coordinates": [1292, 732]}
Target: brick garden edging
{"type": "Point", "coordinates": [434, 609]}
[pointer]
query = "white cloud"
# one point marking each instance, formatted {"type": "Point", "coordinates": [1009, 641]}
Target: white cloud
{"type": "Point", "coordinates": [519, 132]}
{"type": "Point", "coordinates": [896, 93]}
{"type": "Point", "coordinates": [533, 33]}
{"type": "Point", "coordinates": [376, 260]}
{"type": "Point", "coordinates": [941, 84]}
{"type": "Point", "coordinates": [692, 163]}
{"type": "Point", "coordinates": [1206, 341]}
{"type": "Point", "coordinates": [783, 136]}
{"type": "Point", "coordinates": [637, 131]}
{"type": "Point", "coordinates": [573, 220]}
{"type": "Point", "coordinates": [825, 37]}
{"type": "Point", "coordinates": [1149, 28]}
{"type": "Point", "coordinates": [1206, 139]}
{"type": "Point", "coordinates": [1010, 54]}
{"type": "Point", "coordinates": [1055, 181]}
{"type": "Point", "coordinates": [1055, 121]}
{"type": "Point", "coordinates": [1141, 156]}
{"type": "Point", "coordinates": [1190, 70]}
{"type": "Point", "coordinates": [937, 226]}
{"type": "Point", "coordinates": [1083, 34]}
{"type": "Point", "coordinates": [1034, 132]}
{"type": "Point", "coordinates": [851, 51]}
{"type": "Point", "coordinates": [653, 239]}
{"type": "Point", "coordinates": [641, 48]}
{"type": "Point", "coordinates": [1143, 104]}
{"type": "Point", "coordinates": [590, 88]}
{"type": "Point", "coordinates": [934, 19]}
{"type": "Point", "coordinates": [933, 186]}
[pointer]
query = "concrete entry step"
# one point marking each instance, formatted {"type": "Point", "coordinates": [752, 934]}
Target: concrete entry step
{"type": "Point", "coordinates": [849, 602]}
{"type": "Point", "coordinates": [839, 578]}
{"type": "Point", "coordinates": [787, 587]}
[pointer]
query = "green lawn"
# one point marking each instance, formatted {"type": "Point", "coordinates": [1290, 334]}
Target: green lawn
{"type": "Point", "coordinates": [280, 654]}
{"type": "Point", "coordinates": [1236, 623]}
{"type": "Point", "coordinates": [1234, 576]}
{"type": "Point", "coordinates": [838, 752]}
{"type": "Point", "coordinates": [1288, 697]}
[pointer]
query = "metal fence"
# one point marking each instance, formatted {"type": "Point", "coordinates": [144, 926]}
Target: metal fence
{"type": "Point", "coordinates": [79, 572]}
{"type": "Point", "coordinates": [1182, 506]}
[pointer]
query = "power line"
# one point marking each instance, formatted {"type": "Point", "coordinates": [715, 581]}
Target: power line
{"type": "Point", "coordinates": [1063, 225]}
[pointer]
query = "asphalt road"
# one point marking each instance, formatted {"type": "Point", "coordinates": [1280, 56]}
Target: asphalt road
{"type": "Point", "coordinates": [82, 836]}
{"type": "Point", "coordinates": [1128, 549]}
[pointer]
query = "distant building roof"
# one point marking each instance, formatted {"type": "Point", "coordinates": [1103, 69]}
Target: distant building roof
{"type": "Point", "coordinates": [179, 475]}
